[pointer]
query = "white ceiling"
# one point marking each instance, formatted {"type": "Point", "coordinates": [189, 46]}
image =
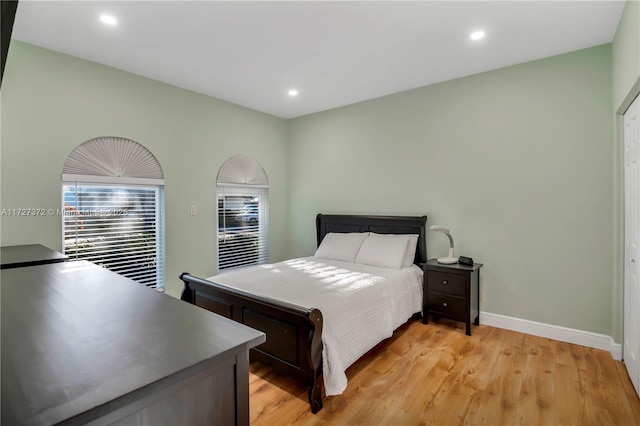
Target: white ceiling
{"type": "Point", "coordinates": [334, 53]}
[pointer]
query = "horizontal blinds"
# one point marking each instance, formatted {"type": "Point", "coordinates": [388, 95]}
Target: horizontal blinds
{"type": "Point", "coordinates": [118, 227]}
{"type": "Point", "coordinates": [242, 224]}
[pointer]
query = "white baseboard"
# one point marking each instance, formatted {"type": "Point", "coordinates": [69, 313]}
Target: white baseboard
{"type": "Point", "coordinates": [555, 332]}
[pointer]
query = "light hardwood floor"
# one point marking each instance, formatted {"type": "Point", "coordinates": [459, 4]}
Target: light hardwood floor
{"type": "Point", "coordinates": [436, 375]}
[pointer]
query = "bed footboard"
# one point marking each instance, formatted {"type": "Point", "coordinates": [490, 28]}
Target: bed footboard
{"type": "Point", "coordinates": [294, 333]}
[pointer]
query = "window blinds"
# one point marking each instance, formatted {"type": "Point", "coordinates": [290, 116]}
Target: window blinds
{"type": "Point", "coordinates": [114, 208]}
{"type": "Point", "coordinates": [242, 225]}
{"type": "Point", "coordinates": [116, 227]}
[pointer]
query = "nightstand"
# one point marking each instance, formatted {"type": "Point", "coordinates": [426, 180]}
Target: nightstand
{"type": "Point", "coordinates": [451, 291]}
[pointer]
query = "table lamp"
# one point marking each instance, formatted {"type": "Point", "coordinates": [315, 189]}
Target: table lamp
{"type": "Point", "coordinates": [449, 259]}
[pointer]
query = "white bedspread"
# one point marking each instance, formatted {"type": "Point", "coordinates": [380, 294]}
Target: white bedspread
{"type": "Point", "coordinates": [361, 305]}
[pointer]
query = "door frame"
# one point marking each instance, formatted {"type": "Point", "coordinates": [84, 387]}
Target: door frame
{"type": "Point", "coordinates": [631, 260]}
{"type": "Point", "coordinates": [617, 291]}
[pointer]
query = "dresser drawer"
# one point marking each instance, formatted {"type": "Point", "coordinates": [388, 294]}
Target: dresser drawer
{"type": "Point", "coordinates": [447, 283]}
{"type": "Point", "coordinates": [452, 306]}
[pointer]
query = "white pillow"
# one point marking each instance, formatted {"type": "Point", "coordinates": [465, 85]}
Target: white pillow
{"type": "Point", "coordinates": [339, 246]}
{"type": "Point", "coordinates": [410, 255]}
{"type": "Point", "coordinates": [384, 251]}
{"type": "Point", "coordinates": [412, 244]}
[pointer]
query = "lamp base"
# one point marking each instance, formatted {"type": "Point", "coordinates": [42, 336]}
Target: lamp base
{"type": "Point", "coordinates": [448, 260]}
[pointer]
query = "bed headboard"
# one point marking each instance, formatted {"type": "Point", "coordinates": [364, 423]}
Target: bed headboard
{"type": "Point", "coordinates": [326, 223]}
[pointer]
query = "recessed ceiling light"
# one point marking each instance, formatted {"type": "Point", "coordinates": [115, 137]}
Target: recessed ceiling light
{"type": "Point", "coordinates": [108, 19]}
{"type": "Point", "coordinates": [293, 92]}
{"type": "Point", "coordinates": [477, 35]}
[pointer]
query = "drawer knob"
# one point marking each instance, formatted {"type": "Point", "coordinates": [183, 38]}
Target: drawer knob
{"type": "Point", "coordinates": [445, 304]}
{"type": "Point", "coordinates": [445, 282]}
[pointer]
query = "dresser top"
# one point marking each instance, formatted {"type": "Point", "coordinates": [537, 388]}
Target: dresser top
{"type": "Point", "coordinates": [28, 255]}
{"type": "Point", "coordinates": [76, 336]}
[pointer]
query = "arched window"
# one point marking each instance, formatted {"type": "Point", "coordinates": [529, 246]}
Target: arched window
{"type": "Point", "coordinates": [113, 199]}
{"type": "Point", "coordinates": [241, 190]}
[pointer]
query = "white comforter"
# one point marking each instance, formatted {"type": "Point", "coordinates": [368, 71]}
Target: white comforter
{"type": "Point", "coordinates": [361, 305]}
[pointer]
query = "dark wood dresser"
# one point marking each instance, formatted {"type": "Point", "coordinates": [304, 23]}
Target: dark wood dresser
{"type": "Point", "coordinates": [84, 345]}
{"type": "Point", "coordinates": [28, 255]}
{"type": "Point", "coordinates": [451, 291]}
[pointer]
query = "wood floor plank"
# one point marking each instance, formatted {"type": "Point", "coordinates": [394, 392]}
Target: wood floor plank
{"type": "Point", "coordinates": [429, 372]}
{"type": "Point", "coordinates": [570, 355]}
{"type": "Point", "coordinates": [504, 388]}
{"type": "Point", "coordinates": [597, 383]}
{"type": "Point", "coordinates": [434, 374]}
{"type": "Point", "coordinates": [537, 393]}
{"type": "Point", "coordinates": [632, 397]}
{"type": "Point", "coordinates": [574, 406]}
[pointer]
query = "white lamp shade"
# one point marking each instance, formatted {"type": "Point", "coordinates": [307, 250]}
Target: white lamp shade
{"type": "Point", "coordinates": [449, 259]}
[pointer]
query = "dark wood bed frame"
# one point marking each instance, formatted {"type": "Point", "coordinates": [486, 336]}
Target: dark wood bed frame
{"type": "Point", "coordinates": [294, 333]}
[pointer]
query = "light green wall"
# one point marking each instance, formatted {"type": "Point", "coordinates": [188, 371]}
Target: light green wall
{"type": "Point", "coordinates": [52, 102]}
{"type": "Point", "coordinates": [625, 54]}
{"type": "Point", "coordinates": [516, 162]}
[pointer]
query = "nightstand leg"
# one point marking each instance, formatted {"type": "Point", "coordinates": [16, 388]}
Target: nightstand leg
{"type": "Point", "coordinates": [469, 328]}
{"type": "Point", "coordinates": [477, 320]}
{"type": "Point", "coordinates": [425, 317]}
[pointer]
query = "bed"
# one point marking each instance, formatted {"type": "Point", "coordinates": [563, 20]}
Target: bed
{"type": "Point", "coordinates": [294, 325]}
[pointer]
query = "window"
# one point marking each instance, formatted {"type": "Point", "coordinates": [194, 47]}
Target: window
{"type": "Point", "coordinates": [115, 219]}
{"type": "Point", "coordinates": [116, 227]}
{"type": "Point", "coordinates": [242, 213]}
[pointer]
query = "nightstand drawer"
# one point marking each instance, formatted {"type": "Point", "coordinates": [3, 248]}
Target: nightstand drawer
{"type": "Point", "coordinates": [446, 305]}
{"type": "Point", "coordinates": [448, 283]}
